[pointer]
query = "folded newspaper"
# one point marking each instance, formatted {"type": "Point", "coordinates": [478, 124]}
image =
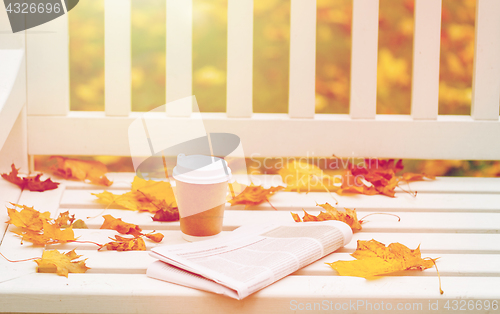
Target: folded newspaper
{"type": "Point", "coordinates": [249, 258]}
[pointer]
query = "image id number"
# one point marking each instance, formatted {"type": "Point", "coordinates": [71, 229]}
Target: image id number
{"type": "Point", "coordinates": [464, 305]}
{"type": "Point", "coordinates": [33, 8]}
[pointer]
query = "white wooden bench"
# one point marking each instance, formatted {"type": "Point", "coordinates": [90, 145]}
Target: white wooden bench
{"type": "Point", "coordinates": [456, 219]}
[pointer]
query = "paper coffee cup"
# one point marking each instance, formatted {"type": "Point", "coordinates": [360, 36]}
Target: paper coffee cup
{"type": "Point", "coordinates": [201, 188]}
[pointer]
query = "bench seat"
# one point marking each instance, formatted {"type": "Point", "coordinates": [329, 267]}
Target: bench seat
{"type": "Point", "coordinates": [456, 219]}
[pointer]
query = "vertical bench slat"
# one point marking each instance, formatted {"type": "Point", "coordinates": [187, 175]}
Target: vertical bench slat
{"type": "Point", "coordinates": [363, 95]}
{"type": "Point", "coordinates": [179, 55]}
{"type": "Point", "coordinates": [117, 57]}
{"type": "Point", "coordinates": [301, 96]}
{"type": "Point", "coordinates": [426, 46]}
{"type": "Point", "coordinates": [486, 74]}
{"type": "Point", "coordinates": [239, 58]}
{"type": "Point", "coordinates": [47, 62]}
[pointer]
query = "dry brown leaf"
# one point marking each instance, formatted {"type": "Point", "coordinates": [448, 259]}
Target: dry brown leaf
{"type": "Point", "coordinates": [374, 258]}
{"type": "Point", "coordinates": [122, 227]}
{"type": "Point", "coordinates": [125, 244]}
{"type": "Point", "coordinates": [167, 213]}
{"type": "Point", "coordinates": [348, 216]}
{"type": "Point", "coordinates": [54, 262]}
{"type": "Point", "coordinates": [253, 195]}
{"type": "Point", "coordinates": [82, 170]}
{"type": "Point", "coordinates": [31, 183]}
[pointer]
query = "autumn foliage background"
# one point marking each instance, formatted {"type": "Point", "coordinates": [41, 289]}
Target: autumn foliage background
{"type": "Point", "coordinates": [271, 62]}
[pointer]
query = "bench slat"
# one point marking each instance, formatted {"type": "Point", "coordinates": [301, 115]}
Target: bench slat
{"type": "Point", "coordinates": [364, 52]}
{"type": "Point", "coordinates": [100, 293]}
{"type": "Point", "coordinates": [302, 93]}
{"type": "Point", "coordinates": [486, 73]}
{"type": "Point", "coordinates": [410, 221]}
{"type": "Point", "coordinates": [179, 54]}
{"type": "Point", "coordinates": [438, 243]}
{"type": "Point", "coordinates": [443, 138]}
{"type": "Point", "coordinates": [136, 262]}
{"type": "Point", "coordinates": [239, 58]}
{"type": "Point", "coordinates": [117, 57]}
{"type": "Point", "coordinates": [292, 201]}
{"type": "Point", "coordinates": [426, 47]}
{"type": "Point", "coordinates": [122, 181]}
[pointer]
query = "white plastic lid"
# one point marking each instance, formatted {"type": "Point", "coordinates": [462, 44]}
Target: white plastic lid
{"type": "Point", "coordinates": [201, 169]}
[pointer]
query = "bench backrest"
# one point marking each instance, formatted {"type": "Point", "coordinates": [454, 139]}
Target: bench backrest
{"type": "Point", "coordinates": [54, 129]}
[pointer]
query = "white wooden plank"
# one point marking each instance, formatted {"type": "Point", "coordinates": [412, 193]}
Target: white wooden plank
{"type": "Point", "coordinates": [15, 147]}
{"type": "Point", "coordinates": [43, 201]}
{"type": "Point", "coordinates": [8, 193]}
{"type": "Point", "coordinates": [239, 58]}
{"type": "Point", "coordinates": [136, 262]}
{"type": "Point", "coordinates": [425, 202]}
{"type": "Point", "coordinates": [179, 54]}
{"type": "Point", "coordinates": [438, 243]}
{"type": "Point", "coordinates": [426, 47]}
{"type": "Point", "coordinates": [233, 218]}
{"type": "Point", "coordinates": [138, 293]}
{"type": "Point", "coordinates": [443, 138]}
{"type": "Point", "coordinates": [302, 89]}
{"type": "Point", "coordinates": [9, 40]}
{"type": "Point", "coordinates": [47, 63]}
{"type": "Point", "coordinates": [117, 57]}
{"type": "Point", "coordinates": [12, 89]}
{"type": "Point", "coordinates": [123, 181]}
{"type": "Point", "coordinates": [364, 51]}
{"type": "Point", "coordinates": [486, 73]}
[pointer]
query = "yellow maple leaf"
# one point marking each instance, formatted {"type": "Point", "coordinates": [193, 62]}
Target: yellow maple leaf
{"type": "Point", "coordinates": [39, 228]}
{"type": "Point", "coordinates": [94, 171]}
{"type": "Point", "coordinates": [54, 262]}
{"type": "Point", "coordinates": [27, 217]}
{"type": "Point", "coordinates": [374, 258]}
{"type": "Point", "coordinates": [145, 195]}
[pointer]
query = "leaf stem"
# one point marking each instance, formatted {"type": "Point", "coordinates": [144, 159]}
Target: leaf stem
{"type": "Point", "coordinates": [91, 242]}
{"type": "Point", "coordinates": [439, 276]}
{"type": "Point", "coordinates": [21, 260]}
{"type": "Point", "coordinates": [271, 204]}
{"type": "Point", "coordinates": [361, 220]}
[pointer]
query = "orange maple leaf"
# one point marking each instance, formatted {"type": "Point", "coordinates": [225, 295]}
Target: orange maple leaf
{"type": "Point", "coordinates": [54, 262]}
{"type": "Point", "coordinates": [374, 258]}
{"type": "Point", "coordinates": [32, 183]}
{"type": "Point", "coordinates": [348, 216]}
{"type": "Point", "coordinates": [122, 227]}
{"type": "Point", "coordinates": [94, 171]}
{"type": "Point", "coordinates": [64, 220]}
{"type": "Point", "coordinates": [377, 177]}
{"type": "Point", "coordinates": [39, 228]}
{"type": "Point", "coordinates": [253, 195]}
{"type": "Point", "coordinates": [125, 244]}
{"type": "Point", "coordinates": [156, 237]}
